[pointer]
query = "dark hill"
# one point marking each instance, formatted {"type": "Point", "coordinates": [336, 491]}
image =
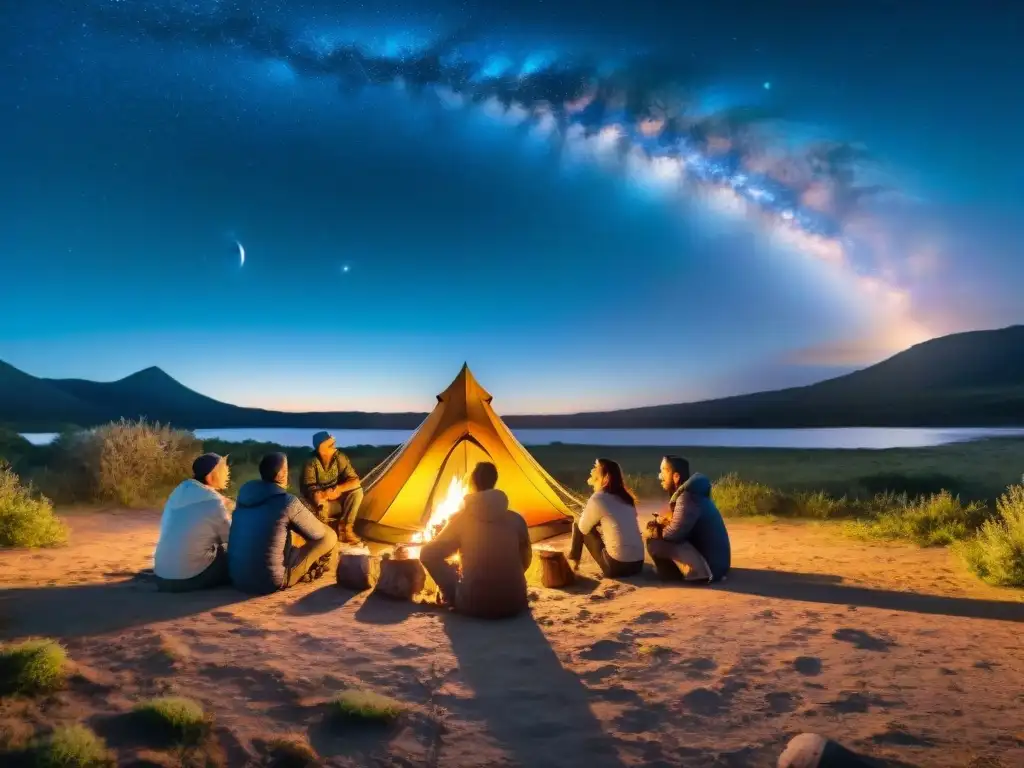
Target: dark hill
{"type": "Point", "coordinates": [26, 399]}
{"type": "Point", "coordinates": [154, 395]}
{"type": "Point", "coordinates": [151, 394]}
{"type": "Point", "coordinates": [966, 379]}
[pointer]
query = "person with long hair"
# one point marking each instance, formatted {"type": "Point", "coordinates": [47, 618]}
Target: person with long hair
{"type": "Point", "coordinates": [609, 527]}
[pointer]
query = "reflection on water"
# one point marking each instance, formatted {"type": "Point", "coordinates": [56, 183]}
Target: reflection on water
{"type": "Point", "coordinates": [844, 437]}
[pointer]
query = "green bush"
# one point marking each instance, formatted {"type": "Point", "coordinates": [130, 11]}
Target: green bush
{"type": "Point", "coordinates": [73, 746]}
{"type": "Point", "coordinates": [32, 667]}
{"type": "Point", "coordinates": [738, 498]}
{"type": "Point", "coordinates": [130, 463]}
{"type": "Point", "coordinates": [929, 521]}
{"type": "Point", "coordinates": [367, 705]}
{"type": "Point", "coordinates": [26, 518]}
{"type": "Point", "coordinates": [996, 554]}
{"type": "Point", "coordinates": [173, 719]}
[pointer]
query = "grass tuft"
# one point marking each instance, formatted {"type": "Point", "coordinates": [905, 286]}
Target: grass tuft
{"type": "Point", "coordinates": [930, 521]}
{"type": "Point", "coordinates": [27, 519]}
{"type": "Point", "coordinates": [173, 719]}
{"type": "Point", "coordinates": [72, 746]}
{"type": "Point", "coordinates": [291, 752]}
{"type": "Point", "coordinates": [367, 705]}
{"type": "Point", "coordinates": [32, 667]}
{"type": "Point", "coordinates": [996, 554]}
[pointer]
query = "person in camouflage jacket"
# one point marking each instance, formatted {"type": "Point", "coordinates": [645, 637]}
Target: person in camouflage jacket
{"type": "Point", "coordinates": [331, 487]}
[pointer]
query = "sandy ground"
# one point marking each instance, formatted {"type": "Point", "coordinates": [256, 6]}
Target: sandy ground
{"type": "Point", "coordinates": [892, 650]}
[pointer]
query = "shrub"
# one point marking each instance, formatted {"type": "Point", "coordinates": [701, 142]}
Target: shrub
{"type": "Point", "coordinates": [291, 752]}
{"type": "Point", "coordinates": [173, 719]}
{"type": "Point", "coordinates": [820, 506]}
{"type": "Point", "coordinates": [32, 666]}
{"type": "Point", "coordinates": [738, 498]}
{"type": "Point", "coordinates": [996, 554]}
{"type": "Point", "coordinates": [73, 746]}
{"type": "Point", "coordinates": [26, 518]}
{"type": "Point", "coordinates": [15, 448]}
{"type": "Point", "coordinates": [127, 462]}
{"type": "Point", "coordinates": [367, 705]}
{"type": "Point", "coordinates": [929, 521]}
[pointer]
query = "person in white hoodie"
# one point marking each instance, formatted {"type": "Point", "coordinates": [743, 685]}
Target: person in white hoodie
{"type": "Point", "coordinates": [609, 527]}
{"type": "Point", "coordinates": [190, 553]}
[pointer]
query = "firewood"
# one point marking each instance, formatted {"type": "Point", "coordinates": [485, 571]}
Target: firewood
{"type": "Point", "coordinates": [555, 570]}
{"type": "Point", "coordinates": [358, 571]}
{"type": "Point", "coordinates": [401, 579]}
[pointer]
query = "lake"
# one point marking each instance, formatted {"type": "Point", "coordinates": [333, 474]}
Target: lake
{"type": "Point", "coordinates": [827, 438]}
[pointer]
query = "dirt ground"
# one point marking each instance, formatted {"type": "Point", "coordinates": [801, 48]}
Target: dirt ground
{"type": "Point", "coordinates": [892, 650]}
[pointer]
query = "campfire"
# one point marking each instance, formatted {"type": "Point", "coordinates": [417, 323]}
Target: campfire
{"type": "Point", "coordinates": [439, 516]}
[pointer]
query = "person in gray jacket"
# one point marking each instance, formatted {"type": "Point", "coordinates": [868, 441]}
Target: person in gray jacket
{"type": "Point", "coordinates": [261, 556]}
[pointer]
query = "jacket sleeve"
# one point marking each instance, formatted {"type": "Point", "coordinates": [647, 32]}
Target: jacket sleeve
{"type": "Point", "coordinates": [525, 547]}
{"type": "Point", "coordinates": [304, 522]}
{"type": "Point", "coordinates": [684, 517]}
{"type": "Point", "coordinates": [446, 543]}
{"type": "Point", "coordinates": [591, 516]}
{"type": "Point", "coordinates": [222, 521]}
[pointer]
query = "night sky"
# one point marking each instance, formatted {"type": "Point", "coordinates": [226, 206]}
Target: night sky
{"type": "Point", "coordinates": [596, 204]}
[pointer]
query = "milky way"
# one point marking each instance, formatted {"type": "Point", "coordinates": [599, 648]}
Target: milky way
{"type": "Point", "coordinates": [637, 116]}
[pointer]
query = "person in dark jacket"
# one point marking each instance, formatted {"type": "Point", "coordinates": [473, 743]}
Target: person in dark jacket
{"type": "Point", "coordinates": [261, 556]}
{"type": "Point", "coordinates": [693, 541]}
{"type": "Point", "coordinates": [493, 545]}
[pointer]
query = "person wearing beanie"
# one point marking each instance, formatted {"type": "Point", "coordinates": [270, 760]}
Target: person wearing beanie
{"type": "Point", "coordinates": [190, 552]}
{"type": "Point", "coordinates": [331, 487]}
{"type": "Point", "coordinates": [261, 556]}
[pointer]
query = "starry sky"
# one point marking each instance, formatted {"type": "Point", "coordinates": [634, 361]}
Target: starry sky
{"type": "Point", "coordinates": [595, 204]}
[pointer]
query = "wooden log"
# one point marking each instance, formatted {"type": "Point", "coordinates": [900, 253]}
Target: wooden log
{"type": "Point", "coordinates": [555, 570]}
{"type": "Point", "coordinates": [357, 571]}
{"type": "Point", "coordinates": [400, 579]}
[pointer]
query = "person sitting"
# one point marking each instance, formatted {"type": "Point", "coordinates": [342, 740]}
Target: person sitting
{"type": "Point", "coordinates": [494, 549]}
{"type": "Point", "coordinates": [194, 529]}
{"type": "Point", "coordinates": [694, 537]}
{"type": "Point", "coordinates": [261, 556]}
{"type": "Point", "coordinates": [608, 526]}
{"type": "Point", "coordinates": [331, 487]}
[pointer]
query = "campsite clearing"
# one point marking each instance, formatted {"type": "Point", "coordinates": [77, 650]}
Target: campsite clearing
{"type": "Point", "coordinates": [893, 650]}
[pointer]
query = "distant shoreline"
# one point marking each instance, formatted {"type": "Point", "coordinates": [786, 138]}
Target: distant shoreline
{"type": "Point", "coordinates": [800, 438]}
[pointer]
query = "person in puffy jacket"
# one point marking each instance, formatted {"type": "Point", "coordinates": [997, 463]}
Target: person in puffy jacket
{"type": "Point", "coordinates": [194, 530]}
{"type": "Point", "coordinates": [493, 544]}
{"type": "Point", "coordinates": [261, 556]}
{"type": "Point", "coordinates": [693, 541]}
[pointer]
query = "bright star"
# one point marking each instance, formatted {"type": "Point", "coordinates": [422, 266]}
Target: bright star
{"type": "Point", "coordinates": [767, 85]}
{"type": "Point", "coordinates": [345, 268]}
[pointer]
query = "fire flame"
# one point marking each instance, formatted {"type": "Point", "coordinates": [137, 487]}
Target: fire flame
{"type": "Point", "coordinates": [440, 515]}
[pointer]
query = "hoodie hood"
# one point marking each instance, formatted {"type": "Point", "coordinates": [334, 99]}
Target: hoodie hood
{"type": "Point", "coordinates": [698, 485]}
{"type": "Point", "coordinates": [486, 503]}
{"type": "Point", "coordinates": [256, 492]}
{"type": "Point", "coordinates": [192, 492]}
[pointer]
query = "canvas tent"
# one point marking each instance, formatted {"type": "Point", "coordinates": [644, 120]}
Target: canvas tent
{"type": "Point", "coordinates": [461, 430]}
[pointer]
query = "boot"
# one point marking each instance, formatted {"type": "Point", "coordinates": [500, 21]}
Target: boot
{"type": "Point", "coordinates": [347, 533]}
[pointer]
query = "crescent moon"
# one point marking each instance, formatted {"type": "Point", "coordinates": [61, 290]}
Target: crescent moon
{"type": "Point", "coordinates": [241, 254]}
